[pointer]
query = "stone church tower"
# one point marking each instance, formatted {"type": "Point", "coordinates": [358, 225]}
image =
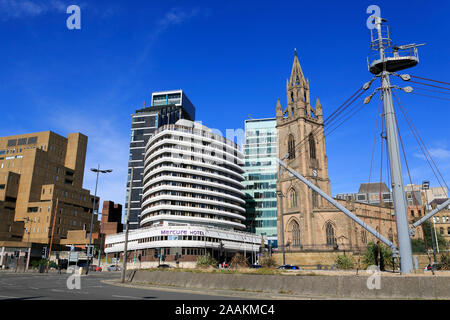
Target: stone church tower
{"type": "Point", "coordinates": [307, 221]}
{"type": "Point", "coordinates": [300, 132]}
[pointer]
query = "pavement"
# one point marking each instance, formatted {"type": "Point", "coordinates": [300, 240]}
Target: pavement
{"type": "Point", "coordinates": [94, 286]}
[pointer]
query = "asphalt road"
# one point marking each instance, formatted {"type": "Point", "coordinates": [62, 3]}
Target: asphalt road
{"type": "Point", "coordinates": [50, 286]}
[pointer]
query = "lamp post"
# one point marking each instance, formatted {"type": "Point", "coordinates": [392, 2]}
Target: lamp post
{"type": "Point", "coordinates": [127, 227]}
{"type": "Point", "coordinates": [28, 220]}
{"type": "Point", "coordinates": [98, 171]}
{"type": "Point", "coordinates": [281, 195]}
{"type": "Point", "coordinates": [425, 187]}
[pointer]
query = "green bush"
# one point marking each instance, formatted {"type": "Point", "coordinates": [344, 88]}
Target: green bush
{"type": "Point", "coordinates": [418, 246]}
{"type": "Point", "coordinates": [267, 261]}
{"type": "Point", "coordinates": [445, 261]}
{"type": "Point", "coordinates": [206, 261]}
{"type": "Point", "coordinates": [344, 262]}
{"type": "Point", "coordinates": [370, 256]}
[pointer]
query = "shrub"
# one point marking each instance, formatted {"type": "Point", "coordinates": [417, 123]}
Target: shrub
{"type": "Point", "coordinates": [445, 261]}
{"type": "Point", "coordinates": [206, 261]}
{"type": "Point", "coordinates": [238, 261]}
{"type": "Point", "coordinates": [370, 256]}
{"type": "Point", "coordinates": [344, 262]}
{"type": "Point", "coordinates": [267, 261]}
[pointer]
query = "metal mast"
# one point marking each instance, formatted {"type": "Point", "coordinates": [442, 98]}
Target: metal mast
{"type": "Point", "coordinates": [383, 67]}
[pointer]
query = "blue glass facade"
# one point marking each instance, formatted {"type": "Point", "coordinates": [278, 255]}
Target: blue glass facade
{"type": "Point", "coordinates": [260, 150]}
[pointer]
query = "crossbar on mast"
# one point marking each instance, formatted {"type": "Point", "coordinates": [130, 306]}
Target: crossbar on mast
{"type": "Point", "coordinates": [428, 216]}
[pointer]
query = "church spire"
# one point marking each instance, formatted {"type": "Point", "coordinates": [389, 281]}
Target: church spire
{"type": "Point", "coordinates": [297, 76]}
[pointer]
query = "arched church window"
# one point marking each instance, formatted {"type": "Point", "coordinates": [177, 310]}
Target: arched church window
{"type": "Point", "coordinates": [312, 147]}
{"type": "Point", "coordinates": [331, 239]}
{"type": "Point", "coordinates": [295, 230]}
{"type": "Point", "coordinates": [291, 147]}
{"type": "Point", "coordinates": [292, 199]}
{"type": "Point", "coordinates": [315, 199]}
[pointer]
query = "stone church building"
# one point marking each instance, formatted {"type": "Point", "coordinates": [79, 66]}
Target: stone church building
{"type": "Point", "coordinates": [309, 222]}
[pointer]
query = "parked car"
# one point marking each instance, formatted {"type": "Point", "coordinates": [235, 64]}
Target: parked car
{"type": "Point", "coordinates": [163, 266]}
{"type": "Point", "coordinates": [92, 267]}
{"type": "Point", "coordinates": [255, 266]}
{"type": "Point", "coordinates": [114, 268]}
{"type": "Point", "coordinates": [289, 267]}
{"type": "Point", "coordinates": [98, 269]}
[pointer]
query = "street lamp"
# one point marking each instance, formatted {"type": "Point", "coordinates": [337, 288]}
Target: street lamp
{"type": "Point", "coordinates": [425, 187]}
{"type": "Point", "coordinates": [98, 171]}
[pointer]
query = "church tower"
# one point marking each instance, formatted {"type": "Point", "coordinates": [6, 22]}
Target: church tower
{"type": "Point", "coordinates": [300, 133]}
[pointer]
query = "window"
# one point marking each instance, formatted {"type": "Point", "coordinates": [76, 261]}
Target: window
{"type": "Point", "coordinates": [390, 235]}
{"type": "Point", "coordinates": [441, 231]}
{"type": "Point", "coordinates": [292, 199]}
{"type": "Point", "coordinates": [315, 199]}
{"type": "Point", "coordinates": [291, 147]}
{"type": "Point", "coordinates": [363, 236]}
{"type": "Point", "coordinates": [331, 239]}
{"type": "Point", "coordinates": [32, 140]}
{"type": "Point", "coordinates": [412, 213]}
{"type": "Point", "coordinates": [312, 147]}
{"type": "Point", "coordinates": [12, 142]}
{"type": "Point", "coordinates": [295, 230]}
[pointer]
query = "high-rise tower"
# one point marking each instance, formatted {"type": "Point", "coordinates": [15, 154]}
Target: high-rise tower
{"type": "Point", "coordinates": [167, 108]}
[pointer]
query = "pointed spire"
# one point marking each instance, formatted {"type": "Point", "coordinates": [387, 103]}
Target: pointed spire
{"type": "Point", "coordinates": [279, 108]}
{"type": "Point", "coordinates": [318, 109]}
{"type": "Point", "coordinates": [296, 72]}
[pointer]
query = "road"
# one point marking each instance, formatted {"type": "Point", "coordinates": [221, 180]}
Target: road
{"type": "Point", "coordinates": [49, 286]}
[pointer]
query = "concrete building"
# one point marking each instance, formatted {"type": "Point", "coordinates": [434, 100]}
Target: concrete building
{"type": "Point", "coordinates": [111, 221]}
{"type": "Point", "coordinates": [192, 199]}
{"type": "Point", "coordinates": [260, 150]}
{"type": "Point", "coordinates": [36, 169]}
{"type": "Point", "coordinates": [309, 222]}
{"type": "Point", "coordinates": [167, 107]}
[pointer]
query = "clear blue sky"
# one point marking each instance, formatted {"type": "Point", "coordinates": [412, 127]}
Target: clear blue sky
{"type": "Point", "coordinates": [232, 59]}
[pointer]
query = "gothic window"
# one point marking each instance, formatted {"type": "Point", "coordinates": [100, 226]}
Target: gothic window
{"type": "Point", "coordinates": [363, 236]}
{"type": "Point", "coordinates": [295, 229]}
{"type": "Point", "coordinates": [297, 81]}
{"type": "Point", "coordinates": [390, 235]}
{"type": "Point", "coordinates": [292, 97]}
{"type": "Point", "coordinates": [312, 147]}
{"type": "Point", "coordinates": [331, 239]}
{"type": "Point", "coordinates": [315, 199]}
{"type": "Point", "coordinates": [292, 199]}
{"type": "Point", "coordinates": [291, 147]}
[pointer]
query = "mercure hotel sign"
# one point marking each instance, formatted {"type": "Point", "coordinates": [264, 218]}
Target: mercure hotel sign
{"type": "Point", "coordinates": [182, 232]}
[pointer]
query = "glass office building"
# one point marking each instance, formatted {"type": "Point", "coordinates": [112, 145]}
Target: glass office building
{"type": "Point", "coordinates": [167, 108]}
{"type": "Point", "coordinates": [260, 150]}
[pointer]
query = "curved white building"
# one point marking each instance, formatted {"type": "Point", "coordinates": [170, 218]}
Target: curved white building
{"type": "Point", "coordinates": [192, 181]}
{"type": "Point", "coordinates": [192, 176]}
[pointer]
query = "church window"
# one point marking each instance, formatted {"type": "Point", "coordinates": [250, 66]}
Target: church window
{"type": "Point", "coordinates": [390, 235]}
{"type": "Point", "coordinates": [295, 229]}
{"type": "Point", "coordinates": [363, 236]}
{"type": "Point", "coordinates": [292, 97]}
{"type": "Point", "coordinates": [293, 198]}
{"type": "Point", "coordinates": [331, 239]}
{"type": "Point", "coordinates": [312, 147]}
{"type": "Point", "coordinates": [291, 147]}
{"type": "Point", "coordinates": [315, 199]}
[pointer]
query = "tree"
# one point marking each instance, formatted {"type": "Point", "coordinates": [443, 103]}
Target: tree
{"type": "Point", "coordinates": [427, 233]}
{"type": "Point", "coordinates": [370, 256]}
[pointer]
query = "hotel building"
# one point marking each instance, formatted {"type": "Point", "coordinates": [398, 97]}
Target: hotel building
{"type": "Point", "coordinates": [167, 107]}
{"type": "Point", "coordinates": [260, 175]}
{"type": "Point", "coordinates": [192, 201]}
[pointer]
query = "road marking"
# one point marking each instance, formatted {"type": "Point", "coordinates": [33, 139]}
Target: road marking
{"type": "Point", "coordinates": [57, 290]}
{"type": "Point", "coordinates": [8, 297]}
{"type": "Point", "coordinates": [126, 297]}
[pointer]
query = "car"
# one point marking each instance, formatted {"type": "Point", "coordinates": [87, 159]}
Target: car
{"type": "Point", "coordinates": [92, 267]}
{"type": "Point", "coordinates": [163, 266]}
{"type": "Point", "coordinates": [255, 266]}
{"type": "Point", "coordinates": [289, 267]}
{"type": "Point", "coordinates": [113, 268]}
{"type": "Point", "coordinates": [98, 269]}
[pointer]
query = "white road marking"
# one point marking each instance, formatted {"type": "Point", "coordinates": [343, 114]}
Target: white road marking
{"type": "Point", "coordinates": [127, 297]}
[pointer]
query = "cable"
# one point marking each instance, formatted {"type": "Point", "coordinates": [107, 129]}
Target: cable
{"type": "Point", "coordinates": [426, 95]}
{"type": "Point", "coordinates": [430, 80]}
{"type": "Point", "coordinates": [430, 85]}
{"type": "Point", "coordinates": [420, 142]}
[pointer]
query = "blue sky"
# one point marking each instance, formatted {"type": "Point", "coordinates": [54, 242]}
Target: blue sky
{"type": "Point", "coordinates": [232, 59]}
